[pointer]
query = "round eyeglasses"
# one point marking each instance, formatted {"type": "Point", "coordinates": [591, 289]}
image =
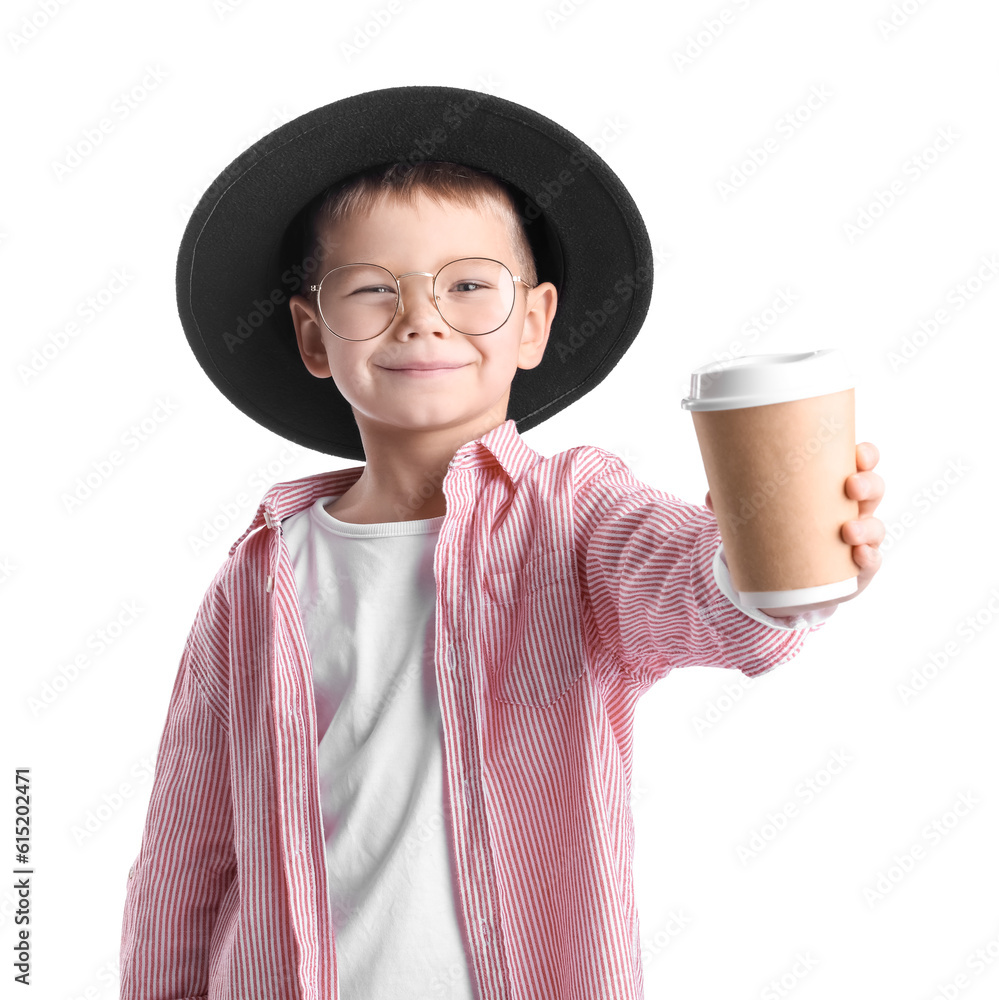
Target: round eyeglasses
{"type": "Point", "coordinates": [474, 295]}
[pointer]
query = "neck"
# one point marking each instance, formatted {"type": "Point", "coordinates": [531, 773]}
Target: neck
{"type": "Point", "coordinates": [404, 471]}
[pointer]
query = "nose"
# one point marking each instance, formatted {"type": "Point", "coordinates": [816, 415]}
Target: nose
{"type": "Point", "coordinates": [422, 308]}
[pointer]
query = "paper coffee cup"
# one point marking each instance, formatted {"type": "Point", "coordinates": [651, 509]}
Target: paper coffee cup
{"type": "Point", "coordinates": [776, 434]}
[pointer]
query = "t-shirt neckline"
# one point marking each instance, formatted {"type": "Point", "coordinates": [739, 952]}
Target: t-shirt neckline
{"type": "Point", "coordinates": [379, 529]}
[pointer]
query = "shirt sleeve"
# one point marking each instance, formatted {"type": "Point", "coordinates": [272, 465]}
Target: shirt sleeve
{"type": "Point", "coordinates": [652, 600]}
{"type": "Point", "coordinates": [187, 861]}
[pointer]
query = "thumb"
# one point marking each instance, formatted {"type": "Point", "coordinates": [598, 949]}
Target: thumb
{"type": "Point", "coordinates": [707, 501]}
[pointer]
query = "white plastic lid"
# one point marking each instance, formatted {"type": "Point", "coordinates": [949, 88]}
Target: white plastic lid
{"type": "Point", "coordinates": [760, 379]}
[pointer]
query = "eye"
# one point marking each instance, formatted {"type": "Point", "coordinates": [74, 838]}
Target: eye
{"type": "Point", "coordinates": [468, 286]}
{"type": "Point", "coordinates": [376, 289]}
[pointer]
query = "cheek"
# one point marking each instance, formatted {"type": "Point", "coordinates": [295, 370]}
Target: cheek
{"type": "Point", "coordinates": [504, 353]}
{"type": "Point", "coordinates": [349, 373]}
{"type": "Point", "coordinates": [496, 369]}
{"type": "Point", "coordinates": [347, 357]}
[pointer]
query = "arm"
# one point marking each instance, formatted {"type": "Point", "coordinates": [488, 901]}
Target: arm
{"type": "Point", "coordinates": [186, 862]}
{"type": "Point", "coordinates": [645, 560]}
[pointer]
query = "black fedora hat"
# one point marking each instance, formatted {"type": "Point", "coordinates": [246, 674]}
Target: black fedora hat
{"type": "Point", "coordinates": [241, 253]}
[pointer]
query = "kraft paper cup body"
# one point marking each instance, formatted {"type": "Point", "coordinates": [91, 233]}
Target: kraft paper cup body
{"type": "Point", "coordinates": [776, 434]}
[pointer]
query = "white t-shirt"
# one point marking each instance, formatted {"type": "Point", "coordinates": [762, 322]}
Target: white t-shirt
{"type": "Point", "coordinates": [368, 598]}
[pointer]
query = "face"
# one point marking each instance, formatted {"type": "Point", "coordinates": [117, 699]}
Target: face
{"type": "Point", "coordinates": [467, 390]}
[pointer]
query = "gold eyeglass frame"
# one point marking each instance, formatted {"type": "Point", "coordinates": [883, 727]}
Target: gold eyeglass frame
{"type": "Point", "coordinates": [398, 296]}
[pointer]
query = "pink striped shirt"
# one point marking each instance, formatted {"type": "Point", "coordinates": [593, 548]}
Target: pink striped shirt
{"type": "Point", "coordinates": [565, 589]}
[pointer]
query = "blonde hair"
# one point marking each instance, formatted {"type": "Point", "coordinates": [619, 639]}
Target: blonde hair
{"type": "Point", "coordinates": [442, 181]}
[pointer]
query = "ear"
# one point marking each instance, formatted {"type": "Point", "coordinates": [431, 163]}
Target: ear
{"type": "Point", "coordinates": [309, 334]}
{"type": "Point", "coordinates": [542, 300]}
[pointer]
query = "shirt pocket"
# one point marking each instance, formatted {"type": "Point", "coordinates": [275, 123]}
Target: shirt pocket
{"type": "Point", "coordinates": [532, 636]}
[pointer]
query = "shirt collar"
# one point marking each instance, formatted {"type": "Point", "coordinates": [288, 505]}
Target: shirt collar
{"type": "Point", "coordinates": [502, 446]}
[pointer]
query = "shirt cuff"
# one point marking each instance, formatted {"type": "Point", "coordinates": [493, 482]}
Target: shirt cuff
{"type": "Point", "coordinates": [806, 619]}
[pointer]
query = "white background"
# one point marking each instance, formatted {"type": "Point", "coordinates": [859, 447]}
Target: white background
{"type": "Point", "coordinates": [609, 73]}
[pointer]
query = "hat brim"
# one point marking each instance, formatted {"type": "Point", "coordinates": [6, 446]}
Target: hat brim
{"type": "Point", "coordinates": [234, 279]}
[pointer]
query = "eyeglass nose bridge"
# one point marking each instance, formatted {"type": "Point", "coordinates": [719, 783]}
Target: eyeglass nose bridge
{"type": "Point", "coordinates": [400, 308]}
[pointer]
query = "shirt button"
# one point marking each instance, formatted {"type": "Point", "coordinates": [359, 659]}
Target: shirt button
{"type": "Point", "coordinates": [468, 793]}
{"type": "Point", "coordinates": [451, 658]}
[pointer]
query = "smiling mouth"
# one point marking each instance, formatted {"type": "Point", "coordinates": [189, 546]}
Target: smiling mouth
{"type": "Point", "coordinates": [426, 368]}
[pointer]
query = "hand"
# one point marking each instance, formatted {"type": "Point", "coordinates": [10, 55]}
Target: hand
{"type": "Point", "coordinates": [868, 533]}
{"type": "Point", "coordinates": [863, 535]}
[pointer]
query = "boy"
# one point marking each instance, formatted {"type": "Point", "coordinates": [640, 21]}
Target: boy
{"type": "Point", "coordinates": [397, 756]}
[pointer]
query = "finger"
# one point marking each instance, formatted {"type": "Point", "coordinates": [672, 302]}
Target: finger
{"type": "Point", "coordinates": [868, 558]}
{"type": "Point", "coordinates": [868, 488]}
{"type": "Point", "coordinates": [867, 532]}
{"type": "Point", "coordinates": [867, 456]}
{"type": "Point", "coordinates": [865, 486]}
